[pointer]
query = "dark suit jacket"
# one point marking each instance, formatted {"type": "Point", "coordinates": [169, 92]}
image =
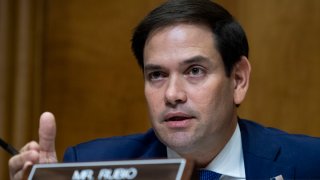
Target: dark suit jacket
{"type": "Point", "coordinates": [267, 152]}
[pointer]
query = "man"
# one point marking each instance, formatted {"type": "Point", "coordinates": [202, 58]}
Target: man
{"type": "Point", "coordinates": [194, 57]}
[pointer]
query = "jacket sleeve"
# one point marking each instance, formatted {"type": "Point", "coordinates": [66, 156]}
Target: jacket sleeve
{"type": "Point", "coordinates": [70, 155]}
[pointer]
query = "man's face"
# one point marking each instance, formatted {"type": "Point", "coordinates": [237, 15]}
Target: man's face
{"type": "Point", "coordinates": [190, 98]}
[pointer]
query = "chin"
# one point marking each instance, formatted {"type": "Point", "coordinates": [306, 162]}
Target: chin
{"type": "Point", "coordinates": [181, 142]}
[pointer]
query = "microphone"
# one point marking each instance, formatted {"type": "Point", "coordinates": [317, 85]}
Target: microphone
{"type": "Point", "coordinates": [10, 149]}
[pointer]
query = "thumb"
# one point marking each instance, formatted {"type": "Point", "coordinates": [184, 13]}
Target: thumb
{"type": "Point", "coordinates": [47, 132]}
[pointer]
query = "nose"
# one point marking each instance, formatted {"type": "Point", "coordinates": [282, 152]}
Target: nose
{"type": "Point", "coordinates": [175, 93]}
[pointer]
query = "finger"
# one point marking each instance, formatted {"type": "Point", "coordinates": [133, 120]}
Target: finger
{"type": "Point", "coordinates": [17, 175]}
{"type": "Point", "coordinates": [18, 162]}
{"type": "Point", "coordinates": [47, 132]}
{"type": "Point", "coordinates": [30, 152]}
{"type": "Point", "coordinates": [20, 174]}
{"type": "Point", "coordinates": [30, 146]}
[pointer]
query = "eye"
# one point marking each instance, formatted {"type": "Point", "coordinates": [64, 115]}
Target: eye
{"type": "Point", "coordinates": [196, 71]}
{"type": "Point", "coordinates": [155, 76]}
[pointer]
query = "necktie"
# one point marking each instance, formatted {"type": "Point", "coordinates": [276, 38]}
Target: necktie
{"type": "Point", "coordinates": [208, 175]}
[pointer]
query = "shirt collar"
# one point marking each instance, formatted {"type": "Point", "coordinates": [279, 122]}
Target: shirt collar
{"type": "Point", "coordinates": [229, 161]}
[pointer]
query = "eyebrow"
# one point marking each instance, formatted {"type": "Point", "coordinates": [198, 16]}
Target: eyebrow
{"type": "Point", "coordinates": [151, 67]}
{"type": "Point", "coordinates": [192, 60]}
{"type": "Point", "coordinates": [195, 59]}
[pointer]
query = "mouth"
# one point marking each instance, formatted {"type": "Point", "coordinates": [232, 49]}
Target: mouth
{"type": "Point", "coordinates": [177, 116]}
{"type": "Point", "coordinates": [178, 120]}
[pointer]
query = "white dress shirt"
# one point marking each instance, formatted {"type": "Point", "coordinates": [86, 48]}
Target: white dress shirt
{"type": "Point", "coordinates": [229, 162]}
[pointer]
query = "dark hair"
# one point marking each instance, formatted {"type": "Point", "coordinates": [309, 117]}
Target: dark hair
{"type": "Point", "coordinates": [229, 37]}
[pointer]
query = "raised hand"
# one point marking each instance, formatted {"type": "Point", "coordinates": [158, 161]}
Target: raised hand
{"type": "Point", "coordinates": [33, 152]}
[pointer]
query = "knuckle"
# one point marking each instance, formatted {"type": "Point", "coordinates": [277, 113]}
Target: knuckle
{"type": "Point", "coordinates": [11, 162]}
{"type": "Point", "coordinates": [33, 143]}
{"type": "Point", "coordinates": [32, 156]}
{"type": "Point", "coordinates": [30, 145]}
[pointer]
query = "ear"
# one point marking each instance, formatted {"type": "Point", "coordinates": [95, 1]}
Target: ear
{"type": "Point", "coordinates": [241, 76]}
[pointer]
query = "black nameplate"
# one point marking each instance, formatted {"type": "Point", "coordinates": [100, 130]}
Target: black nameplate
{"type": "Point", "coordinates": [169, 169]}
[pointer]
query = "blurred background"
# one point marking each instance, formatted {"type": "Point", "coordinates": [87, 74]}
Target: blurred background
{"type": "Point", "coordinates": [73, 58]}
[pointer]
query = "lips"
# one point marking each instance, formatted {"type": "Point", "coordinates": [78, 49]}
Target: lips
{"type": "Point", "coordinates": [177, 116]}
{"type": "Point", "coordinates": [178, 120]}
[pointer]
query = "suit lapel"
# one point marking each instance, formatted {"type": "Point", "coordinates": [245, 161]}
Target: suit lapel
{"type": "Point", "coordinates": [260, 153]}
{"type": "Point", "coordinates": [259, 168]}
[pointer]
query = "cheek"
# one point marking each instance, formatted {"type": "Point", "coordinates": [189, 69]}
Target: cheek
{"type": "Point", "coordinates": [212, 99]}
{"type": "Point", "coordinates": [205, 103]}
{"type": "Point", "coordinates": [153, 98]}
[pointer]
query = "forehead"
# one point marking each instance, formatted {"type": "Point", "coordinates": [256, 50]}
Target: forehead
{"type": "Point", "coordinates": [180, 41]}
{"type": "Point", "coordinates": [178, 31]}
